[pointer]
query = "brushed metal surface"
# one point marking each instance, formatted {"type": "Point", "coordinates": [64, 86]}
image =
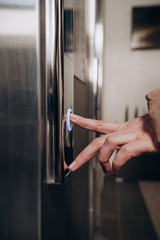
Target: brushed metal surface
{"type": "Point", "coordinates": [19, 121]}
{"type": "Point", "coordinates": [56, 91]}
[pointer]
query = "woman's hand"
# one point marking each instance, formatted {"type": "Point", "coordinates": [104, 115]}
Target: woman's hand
{"type": "Point", "coordinates": [130, 138]}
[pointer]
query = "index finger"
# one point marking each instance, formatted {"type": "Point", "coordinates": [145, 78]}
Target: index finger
{"type": "Point", "coordinates": [88, 153]}
{"type": "Point", "coordinates": [99, 126]}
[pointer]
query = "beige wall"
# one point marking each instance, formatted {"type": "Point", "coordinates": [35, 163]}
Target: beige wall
{"type": "Point", "coordinates": [128, 74]}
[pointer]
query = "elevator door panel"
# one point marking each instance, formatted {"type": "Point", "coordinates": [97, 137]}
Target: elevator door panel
{"type": "Point", "coordinates": [65, 214]}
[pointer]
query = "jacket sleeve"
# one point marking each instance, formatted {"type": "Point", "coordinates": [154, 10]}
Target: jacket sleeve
{"type": "Point", "coordinates": [153, 99]}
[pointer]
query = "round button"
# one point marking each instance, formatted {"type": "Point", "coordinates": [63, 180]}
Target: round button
{"type": "Point", "coordinates": [68, 123]}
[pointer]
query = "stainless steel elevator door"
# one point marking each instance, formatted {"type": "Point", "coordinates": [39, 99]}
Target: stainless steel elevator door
{"type": "Point", "coordinates": [19, 121]}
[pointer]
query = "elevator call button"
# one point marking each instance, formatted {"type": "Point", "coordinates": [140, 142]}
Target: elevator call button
{"type": "Point", "coordinates": [69, 125]}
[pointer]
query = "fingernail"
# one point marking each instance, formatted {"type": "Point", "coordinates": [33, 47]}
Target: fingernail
{"type": "Point", "coordinates": [74, 116]}
{"type": "Point", "coordinates": [72, 165]}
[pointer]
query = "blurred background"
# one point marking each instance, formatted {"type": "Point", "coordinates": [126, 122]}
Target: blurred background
{"type": "Point", "coordinates": [130, 206]}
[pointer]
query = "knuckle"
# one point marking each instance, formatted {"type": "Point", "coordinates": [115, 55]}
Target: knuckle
{"type": "Point", "coordinates": [117, 165]}
{"type": "Point", "coordinates": [100, 159]}
{"type": "Point", "coordinates": [125, 150]}
{"type": "Point", "coordinates": [100, 126]}
{"type": "Point", "coordinates": [110, 141]}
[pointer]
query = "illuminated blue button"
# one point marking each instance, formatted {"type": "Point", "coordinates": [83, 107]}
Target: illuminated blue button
{"type": "Point", "coordinates": [68, 123]}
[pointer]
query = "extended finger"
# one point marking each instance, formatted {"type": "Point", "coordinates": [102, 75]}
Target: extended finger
{"type": "Point", "coordinates": [112, 142]}
{"type": "Point", "coordinates": [88, 153]}
{"type": "Point", "coordinates": [94, 125]}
